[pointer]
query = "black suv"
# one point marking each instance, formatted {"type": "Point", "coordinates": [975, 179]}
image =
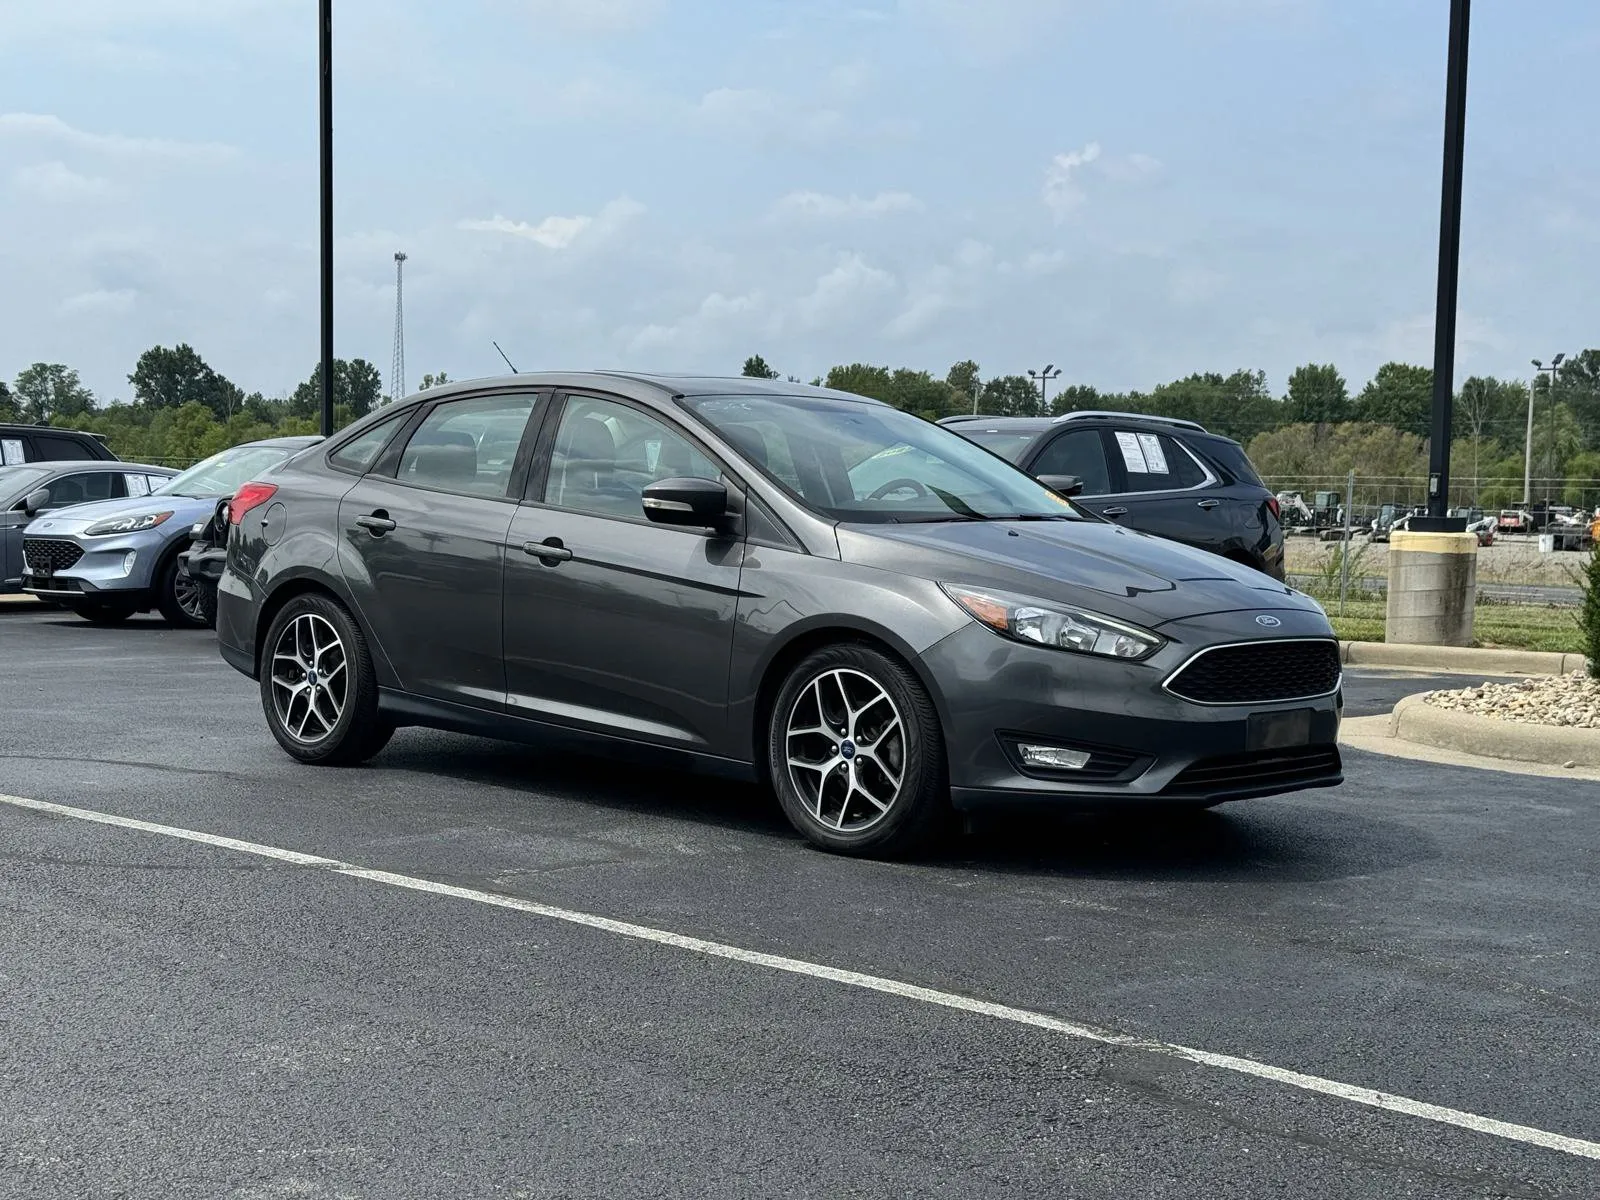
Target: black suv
{"type": "Point", "coordinates": [1157, 474]}
{"type": "Point", "coordinates": [46, 443]}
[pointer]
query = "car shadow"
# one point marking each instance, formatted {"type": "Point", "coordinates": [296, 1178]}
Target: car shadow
{"type": "Point", "coordinates": [1307, 836]}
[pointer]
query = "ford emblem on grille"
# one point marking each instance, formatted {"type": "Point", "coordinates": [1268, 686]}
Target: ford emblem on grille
{"type": "Point", "coordinates": [1269, 622]}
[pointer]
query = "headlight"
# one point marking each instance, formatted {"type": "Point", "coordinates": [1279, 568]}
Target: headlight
{"type": "Point", "coordinates": [1059, 626]}
{"type": "Point", "coordinates": [126, 524]}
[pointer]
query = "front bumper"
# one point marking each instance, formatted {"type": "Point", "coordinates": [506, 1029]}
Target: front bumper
{"type": "Point", "coordinates": [118, 567]}
{"type": "Point", "coordinates": [1146, 745]}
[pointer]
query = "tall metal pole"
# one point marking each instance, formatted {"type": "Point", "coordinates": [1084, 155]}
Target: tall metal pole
{"type": "Point", "coordinates": [1444, 343]}
{"type": "Point", "coordinates": [1527, 453]}
{"type": "Point", "coordinates": [325, 107]}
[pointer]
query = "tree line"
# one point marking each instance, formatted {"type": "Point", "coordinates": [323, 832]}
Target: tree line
{"type": "Point", "coordinates": [182, 410]}
{"type": "Point", "coordinates": [1308, 438]}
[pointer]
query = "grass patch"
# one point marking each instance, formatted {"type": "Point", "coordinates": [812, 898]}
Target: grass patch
{"type": "Point", "coordinates": [1496, 626]}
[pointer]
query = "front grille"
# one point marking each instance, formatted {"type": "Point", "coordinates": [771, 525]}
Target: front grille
{"type": "Point", "coordinates": [50, 554]}
{"type": "Point", "coordinates": [1259, 673]}
{"type": "Point", "coordinates": [1267, 770]}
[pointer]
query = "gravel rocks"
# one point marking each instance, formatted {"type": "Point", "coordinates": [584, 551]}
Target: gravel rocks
{"type": "Point", "coordinates": [1569, 700]}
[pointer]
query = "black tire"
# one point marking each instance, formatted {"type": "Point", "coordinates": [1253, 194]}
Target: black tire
{"type": "Point", "coordinates": [103, 612]}
{"type": "Point", "coordinates": [918, 810]}
{"type": "Point", "coordinates": [360, 730]}
{"type": "Point", "coordinates": [179, 598]}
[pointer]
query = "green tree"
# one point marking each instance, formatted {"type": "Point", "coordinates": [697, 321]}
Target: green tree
{"type": "Point", "coordinates": [1399, 396]}
{"type": "Point", "coordinates": [433, 381]}
{"type": "Point", "coordinates": [964, 380]}
{"type": "Point", "coordinates": [1238, 406]}
{"type": "Point", "coordinates": [356, 385]}
{"type": "Point", "coordinates": [52, 392]}
{"type": "Point", "coordinates": [920, 393]}
{"type": "Point", "coordinates": [1580, 388]}
{"type": "Point", "coordinates": [755, 367]}
{"type": "Point", "coordinates": [171, 378]}
{"type": "Point", "coordinates": [1012, 396]}
{"type": "Point", "coordinates": [1077, 397]}
{"type": "Point", "coordinates": [1488, 410]}
{"type": "Point", "coordinates": [1317, 396]}
{"type": "Point", "coordinates": [10, 410]}
{"type": "Point", "coordinates": [862, 379]}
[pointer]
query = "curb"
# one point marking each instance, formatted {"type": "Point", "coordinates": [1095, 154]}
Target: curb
{"type": "Point", "coordinates": [1413, 720]}
{"type": "Point", "coordinates": [1460, 660]}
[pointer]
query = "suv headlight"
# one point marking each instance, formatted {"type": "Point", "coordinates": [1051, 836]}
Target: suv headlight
{"type": "Point", "coordinates": [1059, 626]}
{"type": "Point", "coordinates": [126, 524]}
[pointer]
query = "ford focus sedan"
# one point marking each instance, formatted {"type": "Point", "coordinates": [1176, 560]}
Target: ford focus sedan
{"type": "Point", "coordinates": [108, 560]}
{"type": "Point", "coordinates": [879, 619]}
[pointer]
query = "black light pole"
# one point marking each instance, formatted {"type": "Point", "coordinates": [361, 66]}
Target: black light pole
{"type": "Point", "coordinates": [1550, 457]}
{"type": "Point", "coordinates": [1444, 325]}
{"type": "Point", "coordinates": [1043, 378]}
{"type": "Point", "coordinates": [325, 106]}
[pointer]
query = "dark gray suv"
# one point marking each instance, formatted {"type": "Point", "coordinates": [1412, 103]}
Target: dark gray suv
{"type": "Point", "coordinates": [1161, 475]}
{"type": "Point", "coordinates": [864, 610]}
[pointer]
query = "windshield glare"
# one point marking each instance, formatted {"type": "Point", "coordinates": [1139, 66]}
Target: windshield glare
{"type": "Point", "coordinates": [222, 474]}
{"type": "Point", "coordinates": [870, 463]}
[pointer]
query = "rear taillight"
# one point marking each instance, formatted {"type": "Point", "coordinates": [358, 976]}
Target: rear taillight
{"type": "Point", "coordinates": [1277, 509]}
{"type": "Point", "coordinates": [251, 495]}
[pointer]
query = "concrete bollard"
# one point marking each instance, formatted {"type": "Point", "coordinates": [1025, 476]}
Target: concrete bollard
{"type": "Point", "coordinates": [1433, 588]}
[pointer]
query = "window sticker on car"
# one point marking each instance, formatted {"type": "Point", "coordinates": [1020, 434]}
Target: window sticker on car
{"type": "Point", "coordinates": [138, 485]}
{"type": "Point", "coordinates": [1132, 455]}
{"type": "Point", "coordinates": [1155, 458]}
{"type": "Point", "coordinates": [11, 451]}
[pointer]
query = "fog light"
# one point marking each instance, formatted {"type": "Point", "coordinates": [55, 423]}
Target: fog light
{"type": "Point", "coordinates": [1053, 758]}
{"type": "Point", "coordinates": [128, 560]}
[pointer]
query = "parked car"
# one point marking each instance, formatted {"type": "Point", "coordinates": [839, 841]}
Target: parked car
{"type": "Point", "coordinates": [45, 443]}
{"type": "Point", "coordinates": [26, 491]}
{"type": "Point", "coordinates": [1163, 476]}
{"type": "Point", "coordinates": [109, 560]}
{"type": "Point", "coordinates": [200, 565]}
{"type": "Point", "coordinates": [864, 610]}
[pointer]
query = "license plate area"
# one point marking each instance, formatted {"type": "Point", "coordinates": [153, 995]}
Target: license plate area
{"type": "Point", "coordinates": [1278, 730]}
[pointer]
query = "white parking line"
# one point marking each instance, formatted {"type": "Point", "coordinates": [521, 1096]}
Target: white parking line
{"type": "Point", "coordinates": [875, 983]}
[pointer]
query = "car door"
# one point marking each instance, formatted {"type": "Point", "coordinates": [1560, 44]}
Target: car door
{"type": "Point", "coordinates": [1080, 453]}
{"type": "Point", "coordinates": [423, 538]}
{"type": "Point", "coordinates": [1165, 490]}
{"type": "Point", "coordinates": [613, 623]}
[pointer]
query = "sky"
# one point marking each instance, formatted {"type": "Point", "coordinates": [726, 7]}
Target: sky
{"type": "Point", "coordinates": [1132, 190]}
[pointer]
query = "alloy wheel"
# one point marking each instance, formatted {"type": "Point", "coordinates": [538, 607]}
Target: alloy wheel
{"type": "Point", "coordinates": [310, 678]}
{"type": "Point", "coordinates": [189, 597]}
{"type": "Point", "coordinates": [846, 749]}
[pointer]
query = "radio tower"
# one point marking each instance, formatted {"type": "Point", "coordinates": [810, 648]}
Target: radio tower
{"type": "Point", "coordinates": [397, 370]}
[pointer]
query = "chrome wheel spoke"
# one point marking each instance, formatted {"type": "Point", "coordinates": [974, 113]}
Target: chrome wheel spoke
{"type": "Point", "coordinates": [846, 749]}
{"type": "Point", "coordinates": [310, 678]}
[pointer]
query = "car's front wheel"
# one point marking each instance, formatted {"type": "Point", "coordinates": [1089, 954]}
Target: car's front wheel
{"type": "Point", "coordinates": [103, 612]}
{"type": "Point", "coordinates": [318, 689]}
{"type": "Point", "coordinates": [181, 600]}
{"type": "Point", "coordinates": [856, 754]}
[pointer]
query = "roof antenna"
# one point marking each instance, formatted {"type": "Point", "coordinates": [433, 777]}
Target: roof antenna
{"type": "Point", "coordinates": [509, 363]}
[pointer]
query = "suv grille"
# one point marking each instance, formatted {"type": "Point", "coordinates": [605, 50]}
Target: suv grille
{"type": "Point", "coordinates": [1265, 770]}
{"type": "Point", "coordinates": [1259, 673]}
{"type": "Point", "coordinates": [50, 554]}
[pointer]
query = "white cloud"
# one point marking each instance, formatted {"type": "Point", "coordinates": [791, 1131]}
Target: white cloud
{"type": "Point", "coordinates": [593, 16]}
{"type": "Point", "coordinates": [554, 232]}
{"type": "Point", "coordinates": [1063, 193]}
{"type": "Point", "coordinates": [54, 129]}
{"type": "Point", "coordinates": [52, 17]}
{"type": "Point", "coordinates": [821, 206]}
{"type": "Point", "coordinates": [102, 300]}
{"type": "Point", "coordinates": [843, 293]}
{"type": "Point", "coordinates": [718, 321]}
{"type": "Point", "coordinates": [58, 183]}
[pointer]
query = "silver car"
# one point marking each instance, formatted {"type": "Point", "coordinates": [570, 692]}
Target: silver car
{"type": "Point", "coordinates": [32, 488]}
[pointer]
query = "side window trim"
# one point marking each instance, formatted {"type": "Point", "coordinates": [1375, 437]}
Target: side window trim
{"type": "Point", "coordinates": [1117, 465]}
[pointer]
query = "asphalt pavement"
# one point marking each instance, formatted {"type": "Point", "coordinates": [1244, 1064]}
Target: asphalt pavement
{"type": "Point", "coordinates": [186, 1018]}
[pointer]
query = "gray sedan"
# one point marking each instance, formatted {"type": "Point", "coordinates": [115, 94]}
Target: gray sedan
{"type": "Point", "coordinates": [63, 484]}
{"type": "Point", "coordinates": [874, 616]}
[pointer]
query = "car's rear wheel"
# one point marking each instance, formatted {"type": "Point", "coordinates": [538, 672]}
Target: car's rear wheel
{"type": "Point", "coordinates": [103, 612]}
{"type": "Point", "coordinates": [180, 599]}
{"type": "Point", "coordinates": [318, 689]}
{"type": "Point", "coordinates": [856, 754]}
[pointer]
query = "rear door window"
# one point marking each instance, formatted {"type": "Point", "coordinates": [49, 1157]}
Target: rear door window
{"type": "Point", "coordinates": [1230, 456]}
{"type": "Point", "coordinates": [468, 446]}
{"type": "Point", "coordinates": [1154, 462]}
{"type": "Point", "coordinates": [1081, 453]}
{"type": "Point", "coordinates": [52, 448]}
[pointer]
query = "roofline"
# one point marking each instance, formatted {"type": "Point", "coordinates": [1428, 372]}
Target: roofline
{"type": "Point", "coordinates": [641, 385]}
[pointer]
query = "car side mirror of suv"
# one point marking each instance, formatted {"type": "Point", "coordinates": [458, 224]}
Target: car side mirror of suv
{"type": "Point", "coordinates": [697, 503]}
{"type": "Point", "coordinates": [1062, 485]}
{"type": "Point", "coordinates": [36, 502]}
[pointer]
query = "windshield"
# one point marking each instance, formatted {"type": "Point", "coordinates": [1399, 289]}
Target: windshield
{"type": "Point", "coordinates": [866, 462]}
{"type": "Point", "coordinates": [1009, 446]}
{"type": "Point", "coordinates": [221, 474]}
{"type": "Point", "coordinates": [17, 482]}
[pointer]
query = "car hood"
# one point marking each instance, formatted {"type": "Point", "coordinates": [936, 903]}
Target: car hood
{"type": "Point", "coordinates": [185, 511]}
{"type": "Point", "coordinates": [1134, 576]}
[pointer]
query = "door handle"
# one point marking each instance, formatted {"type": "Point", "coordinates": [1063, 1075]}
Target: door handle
{"type": "Point", "coordinates": [1209, 504]}
{"type": "Point", "coordinates": [377, 524]}
{"type": "Point", "coordinates": [550, 551]}
{"type": "Point", "coordinates": [1113, 512]}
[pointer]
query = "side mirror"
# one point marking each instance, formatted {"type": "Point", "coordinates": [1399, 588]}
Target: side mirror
{"type": "Point", "coordinates": [686, 502]}
{"type": "Point", "coordinates": [36, 502]}
{"type": "Point", "coordinates": [1063, 485]}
